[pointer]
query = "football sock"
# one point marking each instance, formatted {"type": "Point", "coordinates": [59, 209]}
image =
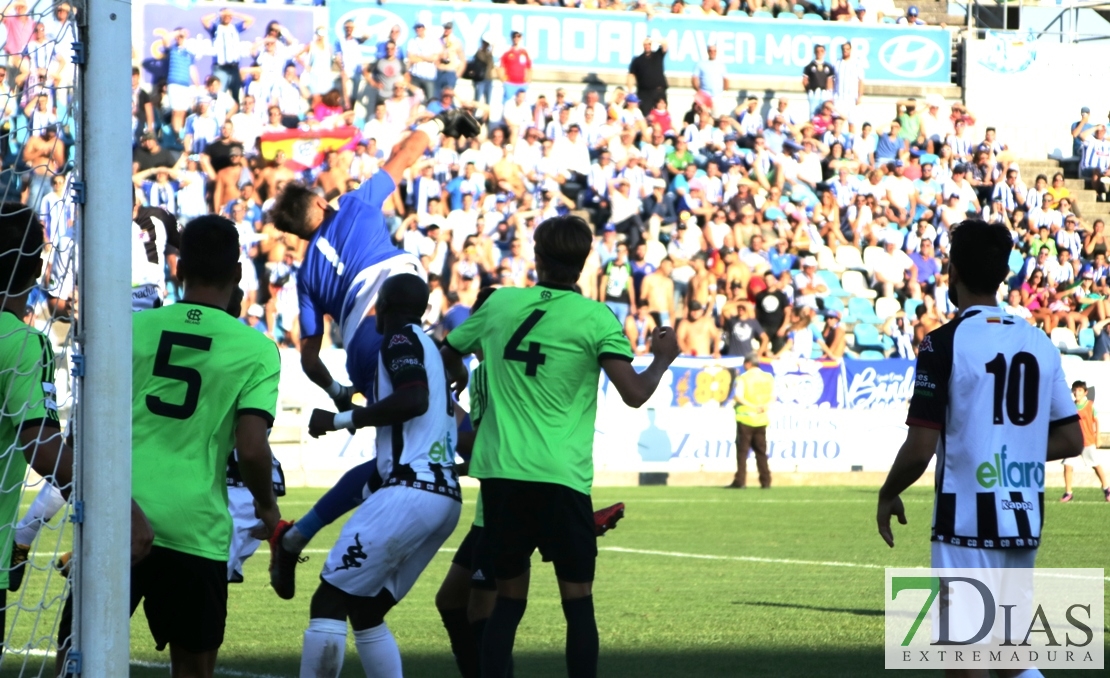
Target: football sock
{"type": "Point", "coordinates": [45, 506]}
{"type": "Point", "coordinates": [582, 642]}
{"type": "Point", "coordinates": [463, 645]}
{"type": "Point", "coordinates": [497, 641]}
{"type": "Point", "coordinates": [325, 641]}
{"type": "Point", "coordinates": [378, 651]}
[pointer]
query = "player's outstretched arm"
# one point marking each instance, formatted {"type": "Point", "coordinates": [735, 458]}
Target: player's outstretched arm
{"type": "Point", "coordinates": [637, 387]}
{"type": "Point", "coordinates": [317, 371]}
{"type": "Point", "coordinates": [453, 123]}
{"type": "Point", "coordinates": [256, 467]}
{"type": "Point", "coordinates": [1065, 441]}
{"type": "Point", "coordinates": [397, 408]}
{"type": "Point", "coordinates": [909, 465]}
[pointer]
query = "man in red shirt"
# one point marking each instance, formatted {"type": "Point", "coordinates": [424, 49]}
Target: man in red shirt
{"type": "Point", "coordinates": [516, 68]}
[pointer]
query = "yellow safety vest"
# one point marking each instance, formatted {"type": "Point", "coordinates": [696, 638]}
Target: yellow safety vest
{"type": "Point", "coordinates": [754, 392]}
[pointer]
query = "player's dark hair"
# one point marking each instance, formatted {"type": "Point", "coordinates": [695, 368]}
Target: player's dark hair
{"type": "Point", "coordinates": [209, 251]}
{"type": "Point", "coordinates": [21, 242]}
{"type": "Point", "coordinates": [404, 295]}
{"type": "Point", "coordinates": [562, 245]}
{"type": "Point", "coordinates": [981, 253]}
{"type": "Point", "coordinates": [1079, 384]}
{"type": "Point", "coordinates": [290, 209]}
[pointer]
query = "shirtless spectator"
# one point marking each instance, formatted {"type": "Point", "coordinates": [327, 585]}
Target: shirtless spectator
{"type": "Point", "coordinates": [638, 328]}
{"type": "Point", "coordinates": [698, 335]}
{"type": "Point", "coordinates": [658, 293]}
{"type": "Point", "coordinates": [702, 288]}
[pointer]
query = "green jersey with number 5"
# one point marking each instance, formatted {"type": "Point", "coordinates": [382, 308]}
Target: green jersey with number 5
{"type": "Point", "coordinates": [543, 349]}
{"type": "Point", "coordinates": [195, 369]}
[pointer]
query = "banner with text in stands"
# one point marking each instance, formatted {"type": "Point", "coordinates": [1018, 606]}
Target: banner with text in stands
{"type": "Point", "coordinates": [590, 41]}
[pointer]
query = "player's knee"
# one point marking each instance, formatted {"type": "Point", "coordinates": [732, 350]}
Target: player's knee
{"type": "Point", "coordinates": [328, 603]}
{"type": "Point", "coordinates": [366, 613]}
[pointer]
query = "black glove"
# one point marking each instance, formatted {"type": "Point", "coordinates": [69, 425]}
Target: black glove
{"type": "Point", "coordinates": [343, 400]}
{"type": "Point", "coordinates": [459, 123]}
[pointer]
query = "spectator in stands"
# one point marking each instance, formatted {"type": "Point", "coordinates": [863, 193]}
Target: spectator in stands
{"type": "Point", "coordinates": [638, 328]}
{"type": "Point", "coordinates": [516, 68]}
{"type": "Point", "coordinates": [646, 75]}
{"type": "Point", "coordinates": [225, 29]}
{"type": "Point", "coordinates": [698, 334]}
{"type": "Point", "coordinates": [710, 78]}
{"type": "Point", "coordinates": [1080, 131]}
{"type": "Point", "coordinates": [848, 83]}
{"type": "Point", "coordinates": [181, 75]}
{"type": "Point", "coordinates": [818, 79]}
{"type": "Point", "coordinates": [911, 18]}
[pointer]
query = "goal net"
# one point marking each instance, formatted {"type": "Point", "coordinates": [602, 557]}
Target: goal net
{"type": "Point", "coordinates": [40, 188]}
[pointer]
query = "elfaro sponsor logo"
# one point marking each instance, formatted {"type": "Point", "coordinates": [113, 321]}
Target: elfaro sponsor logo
{"type": "Point", "coordinates": [1001, 472]}
{"type": "Point", "coordinates": [911, 56]}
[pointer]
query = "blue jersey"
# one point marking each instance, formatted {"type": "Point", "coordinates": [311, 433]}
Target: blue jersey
{"type": "Point", "coordinates": [350, 240]}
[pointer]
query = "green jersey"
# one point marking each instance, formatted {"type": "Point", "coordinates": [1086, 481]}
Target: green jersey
{"type": "Point", "coordinates": [478, 398]}
{"type": "Point", "coordinates": [195, 370]}
{"type": "Point", "coordinates": [29, 401]}
{"type": "Point", "coordinates": [542, 346]}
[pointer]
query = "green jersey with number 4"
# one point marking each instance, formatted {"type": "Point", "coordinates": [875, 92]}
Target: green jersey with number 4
{"type": "Point", "coordinates": [543, 348]}
{"type": "Point", "coordinates": [195, 370]}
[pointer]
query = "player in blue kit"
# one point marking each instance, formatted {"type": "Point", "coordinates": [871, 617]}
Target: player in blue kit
{"type": "Point", "coordinates": [349, 256]}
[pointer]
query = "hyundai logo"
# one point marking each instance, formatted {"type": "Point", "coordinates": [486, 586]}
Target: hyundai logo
{"type": "Point", "coordinates": [911, 56]}
{"type": "Point", "coordinates": [373, 23]}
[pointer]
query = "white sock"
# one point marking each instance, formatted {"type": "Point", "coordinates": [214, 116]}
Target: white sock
{"type": "Point", "coordinates": [325, 642]}
{"type": "Point", "coordinates": [45, 506]}
{"type": "Point", "coordinates": [378, 652]}
{"type": "Point", "coordinates": [293, 541]}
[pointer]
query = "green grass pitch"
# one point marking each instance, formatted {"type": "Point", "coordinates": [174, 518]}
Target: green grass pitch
{"type": "Point", "coordinates": [695, 583]}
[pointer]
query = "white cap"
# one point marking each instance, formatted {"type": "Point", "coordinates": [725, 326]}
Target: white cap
{"type": "Point", "coordinates": [255, 311]}
{"type": "Point", "coordinates": [809, 261]}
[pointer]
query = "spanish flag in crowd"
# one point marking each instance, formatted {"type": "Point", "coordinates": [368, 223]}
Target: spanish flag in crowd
{"type": "Point", "coordinates": [306, 149]}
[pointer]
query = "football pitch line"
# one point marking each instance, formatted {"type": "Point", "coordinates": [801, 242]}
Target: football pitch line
{"type": "Point", "coordinates": [220, 671]}
{"type": "Point", "coordinates": [748, 559]}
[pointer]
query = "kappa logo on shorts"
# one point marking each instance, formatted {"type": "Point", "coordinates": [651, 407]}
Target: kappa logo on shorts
{"type": "Point", "coordinates": [397, 340]}
{"type": "Point", "coordinates": [193, 316]}
{"type": "Point", "coordinates": [353, 556]}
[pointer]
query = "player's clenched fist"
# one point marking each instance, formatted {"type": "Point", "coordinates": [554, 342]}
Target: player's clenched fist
{"type": "Point", "coordinates": [321, 422]}
{"type": "Point", "coordinates": [664, 343]}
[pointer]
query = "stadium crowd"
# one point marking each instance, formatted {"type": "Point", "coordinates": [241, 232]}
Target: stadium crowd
{"type": "Point", "coordinates": [784, 227]}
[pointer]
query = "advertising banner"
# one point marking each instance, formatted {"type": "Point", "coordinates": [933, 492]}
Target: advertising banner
{"type": "Point", "coordinates": [606, 41]}
{"type": "Point", "coordinates": [152, 20]}
{"type": "Point", "coordinates": [878, 384]}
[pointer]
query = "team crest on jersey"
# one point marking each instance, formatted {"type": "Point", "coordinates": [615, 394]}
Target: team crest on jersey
{"type": "Point", "coordinates": [926, 345]}
{"type": "Point", "coordinates": [398, 339]}
{"type": "Point", "coordinates": [545, 295]}
{"type": "Point", "coordinates": [193, 316]}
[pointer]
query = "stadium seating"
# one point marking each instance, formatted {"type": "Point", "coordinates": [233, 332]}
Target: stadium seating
{"type": "Point", "coordinates": [833, 283]}
{"type": "Point", "coordinates": [862, 311]}
{"type": "Point", "coordinates": [834, 303]}
{"type": "Point", "coordinates": [826, 261]}
{"type": "Point", "coordinates": [787, 16]}
{"type": "Point", "coordinates": [910, 307]}
{"type": "Point", "coordinates": [870, 256]}
{"type": "Point", "coordinates": [1087, 338]}
{"type": "Point", "coordinates": [762, 14]}
{"type": "Point", "coordinates": [871, 355]}
{"type": "Point", "coordinates": [856, 284]}
{"type": "Point", "coordinates": [867, 337]}
{"type": "Point", "coordinates": [809, 16]}
{"type": "Point", "coordinates": [849, 257]}
{"type": "Point", "coordinates": [1064, 339]}
{"type": "Point", "coordinates": [886, 307]}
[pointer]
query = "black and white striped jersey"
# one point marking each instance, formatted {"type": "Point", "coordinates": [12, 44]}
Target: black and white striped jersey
{"type": "Point", "coordinates": [993, 386]}
{"type": "Point", "coordinates": [420, 452]}
{"type": "Point", "coordinates": [154, 236]}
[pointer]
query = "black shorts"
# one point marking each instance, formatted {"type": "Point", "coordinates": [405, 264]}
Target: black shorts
{"type": "Point", "coordinates": [522, 516]}
{"type": "Point", "coordinates": [184, 598]}
{"type": "Point", "coordinates": [474, 555]}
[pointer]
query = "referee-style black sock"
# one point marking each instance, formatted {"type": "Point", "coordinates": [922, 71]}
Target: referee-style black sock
{"type": "Point", "coordinates": [497, 642]}
{"type": "Point", "coordinates": [582, 642]}
{"type": "Point", "coordinates": [463, 643]}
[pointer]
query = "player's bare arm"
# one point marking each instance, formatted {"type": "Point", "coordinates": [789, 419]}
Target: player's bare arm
{"type": "Point", "coordinates": [1065, 441]}
{"type": "Point", "coordinates": [397, 408]}
{"type": "Point", "coordinates": [637, 387]}
{"type": "Point", "coordinates": [457, 375]}
{"type": "Point", "coordinates": [317, 371]}
{"type": "Point", "coordinates": [909, 465]}
{"type": "Point", "coordinates": [256, 466]}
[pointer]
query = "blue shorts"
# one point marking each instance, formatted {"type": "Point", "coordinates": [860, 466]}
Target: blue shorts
{"type": "Point", "coordinates": [362, 358]}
